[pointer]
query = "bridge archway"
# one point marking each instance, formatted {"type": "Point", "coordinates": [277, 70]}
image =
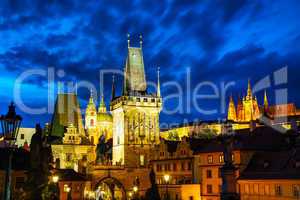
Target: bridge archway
{"type": "Point", "coordinates": [110, 188]}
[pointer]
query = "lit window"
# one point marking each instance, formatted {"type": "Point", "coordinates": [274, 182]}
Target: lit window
{"type": "Point", "coordinates": [182, 166]}
{"type": "Point", "coordinates": [142, 160]}
{"type": "Point", "coordinates": [92, 122]}
{"type": "Point", "coordinates": [267, 189]}
{"type": "Point", "coordinates": [278, 190]}
{"type": "Point", "coordinates": [255, 188]}
{"type": "Point", "coordinates": [296, 191]}
{"type": "Point", "coordinates": [246, 188]}
{"type": "Point", "coordinates": [68, 157]}
{"type": "Point", "coordinates": [210, 159]}
{"type": "Point", "coordinates": [221, 158]}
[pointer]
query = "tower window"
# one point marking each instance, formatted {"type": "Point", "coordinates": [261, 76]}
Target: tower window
{"type": "Point", "coordinates": [210, 159]}
{"type": "Point", "coordinates": [92, 122]}
{"type": "Point", "coordinates": [142, 160]}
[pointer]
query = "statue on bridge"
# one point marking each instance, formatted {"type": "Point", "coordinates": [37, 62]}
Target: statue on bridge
{"type": "Point", "coordinates": [101, 150]}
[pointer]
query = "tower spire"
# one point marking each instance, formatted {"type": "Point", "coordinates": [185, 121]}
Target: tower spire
{"type": "Point", "coordinates": [102, 106]}
{"type": "Point", "coordinates": [158, 83]}
{"type": "Point", "coordinates": [91, 101]}
{"type": "Point", "coordinates": [249, 91]}
{"type": "Point", "coordinates": [141, 41]}
{"type": "Point", "coordinates": [231, 110]}
{"type": "Point", "coordinates": [113, 95]}
{"type": "Point", "coordinates": [128, 39]}
{"type": "Point", "coordinates": [266, 103]}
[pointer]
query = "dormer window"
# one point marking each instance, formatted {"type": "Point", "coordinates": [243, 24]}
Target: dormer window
{"type": "Point", "coordinates": [297, 164]}
{"type": "Point", "coordinates": [266, 164]}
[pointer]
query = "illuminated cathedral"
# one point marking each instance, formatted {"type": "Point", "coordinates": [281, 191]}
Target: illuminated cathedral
{"type": "Point", "coordinates": [248, 109]}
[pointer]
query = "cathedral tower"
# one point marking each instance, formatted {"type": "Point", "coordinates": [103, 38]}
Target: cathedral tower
{"type": "Point", "coordinates": [231, 110]}
{"type": "Point", "coordinates": [135, 114]}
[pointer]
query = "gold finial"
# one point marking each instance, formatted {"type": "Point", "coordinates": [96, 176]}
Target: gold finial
{"type": "Point", "coordinates": [128, 39]}
{"type": "Point", "coordinates": [141, 40]}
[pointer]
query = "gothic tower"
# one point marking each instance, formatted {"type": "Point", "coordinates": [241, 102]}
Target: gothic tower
{"type": "Point", "coordinates": [135, 114]}
{"type": "Point", "coordinates": [91, 119]}
{"type": "Point", "coordinates": [231, 110]}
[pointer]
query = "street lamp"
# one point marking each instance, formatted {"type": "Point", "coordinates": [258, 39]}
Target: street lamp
{"type": "Point", "coordinates": [55, 180]}
{"type": "Point", "coordinates": [167, 179]}
{"type": "Point", "coordinates": [10, 124]}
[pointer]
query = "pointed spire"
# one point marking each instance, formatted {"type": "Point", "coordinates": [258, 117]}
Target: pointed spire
{"type": "Point", "coordinates": [249, 91]}
{"type": "Point", "coordinates": [158, 83]}
{"type": "Point", "coordinates": [91, 101]}
{"type": "Point", "coordinates": [231, 110]}
{"type": "Point", "coordinates": [141, 41]}
{"type": "Point", "coordinates": [102, 106]}
{"type": "Point", "coordinates": [128, 39]}
{"type": "Point", "coordinates": [75, 88]}
{"type": "Point", "coordinates": [266, 103]}
{"type": "Point", "coordinates": [113, 95]}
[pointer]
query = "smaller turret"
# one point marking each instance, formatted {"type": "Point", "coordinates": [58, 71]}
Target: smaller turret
{"type": "Point", "coordinates": [91, 113]}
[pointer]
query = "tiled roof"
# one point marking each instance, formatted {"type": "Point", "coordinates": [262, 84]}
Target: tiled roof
{"type": "Point", "coordinates": [284, 164]}
{"type": "Point", "coordinates": [261, 138]}
{"type": "Point", "coordinates": [67, 111]}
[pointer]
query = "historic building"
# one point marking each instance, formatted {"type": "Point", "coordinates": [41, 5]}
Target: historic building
{"type": "Point", "coordinates": [248, 109]}
{"type": "Point", "coordinates": [98, 123]}
{"type": "Point", "coordinates": [135, 114]}
{"type": "Point", "coordinates": [71, 147]}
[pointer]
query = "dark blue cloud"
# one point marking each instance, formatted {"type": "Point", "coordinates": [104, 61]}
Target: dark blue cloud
{"type": "Point", "coordinates": [217, 40]}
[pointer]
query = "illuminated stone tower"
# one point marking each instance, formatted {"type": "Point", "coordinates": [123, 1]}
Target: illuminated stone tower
{"type": "Point", "coordinates": [231, 110]}
{"type": "Point", "coordinates": [135, 114]}
{"type": "Point", "coordinates": [250, 105]}
{"type": "Point", "coordinates": [104, 121]}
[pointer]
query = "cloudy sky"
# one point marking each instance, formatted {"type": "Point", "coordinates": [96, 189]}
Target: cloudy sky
{"type": "Point", "coordinates": [218, 41]}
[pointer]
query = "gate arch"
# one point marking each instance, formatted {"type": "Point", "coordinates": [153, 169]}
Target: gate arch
{"type": "Point", "coordinates": [109, 181]}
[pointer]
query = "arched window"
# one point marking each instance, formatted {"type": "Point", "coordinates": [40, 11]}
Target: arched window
{"type": "Point", "coordinates": [92, 122]}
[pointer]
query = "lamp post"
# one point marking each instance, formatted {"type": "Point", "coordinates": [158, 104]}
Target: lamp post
{"type": "Point", "coordinates": [10, 124]}
{"type": "Point", "coordinates": [167, 179]}
{"type": "Point", "coordinates": [55, 180]}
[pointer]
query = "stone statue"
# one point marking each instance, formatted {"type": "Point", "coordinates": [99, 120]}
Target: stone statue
{"type": "Point", "coordinates": [152, 193]}
{"type": "Point", "coordinates": [100, 150]}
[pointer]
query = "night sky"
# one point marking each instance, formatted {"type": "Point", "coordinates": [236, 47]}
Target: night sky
{"type": "Point", "coordinates": [217, 40]}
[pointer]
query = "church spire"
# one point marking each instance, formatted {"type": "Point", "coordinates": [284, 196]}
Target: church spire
{"type": "Point", "coordinates": [249, 91]}
{"type": "Point", "coordinates": [91, 100]}
{"type": "Point", "coordinates": [134, 73]}
{"type": "Point", "coordinates": [266, 103]}
{"type": "Point", "coordinates": [113, 92]}
{"type": "Point", "coordinates": [158, 83]}
{"type": "Point", "coordinates": [231, 110]}
{"type": "Point", "coordinates": [102, 106]}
